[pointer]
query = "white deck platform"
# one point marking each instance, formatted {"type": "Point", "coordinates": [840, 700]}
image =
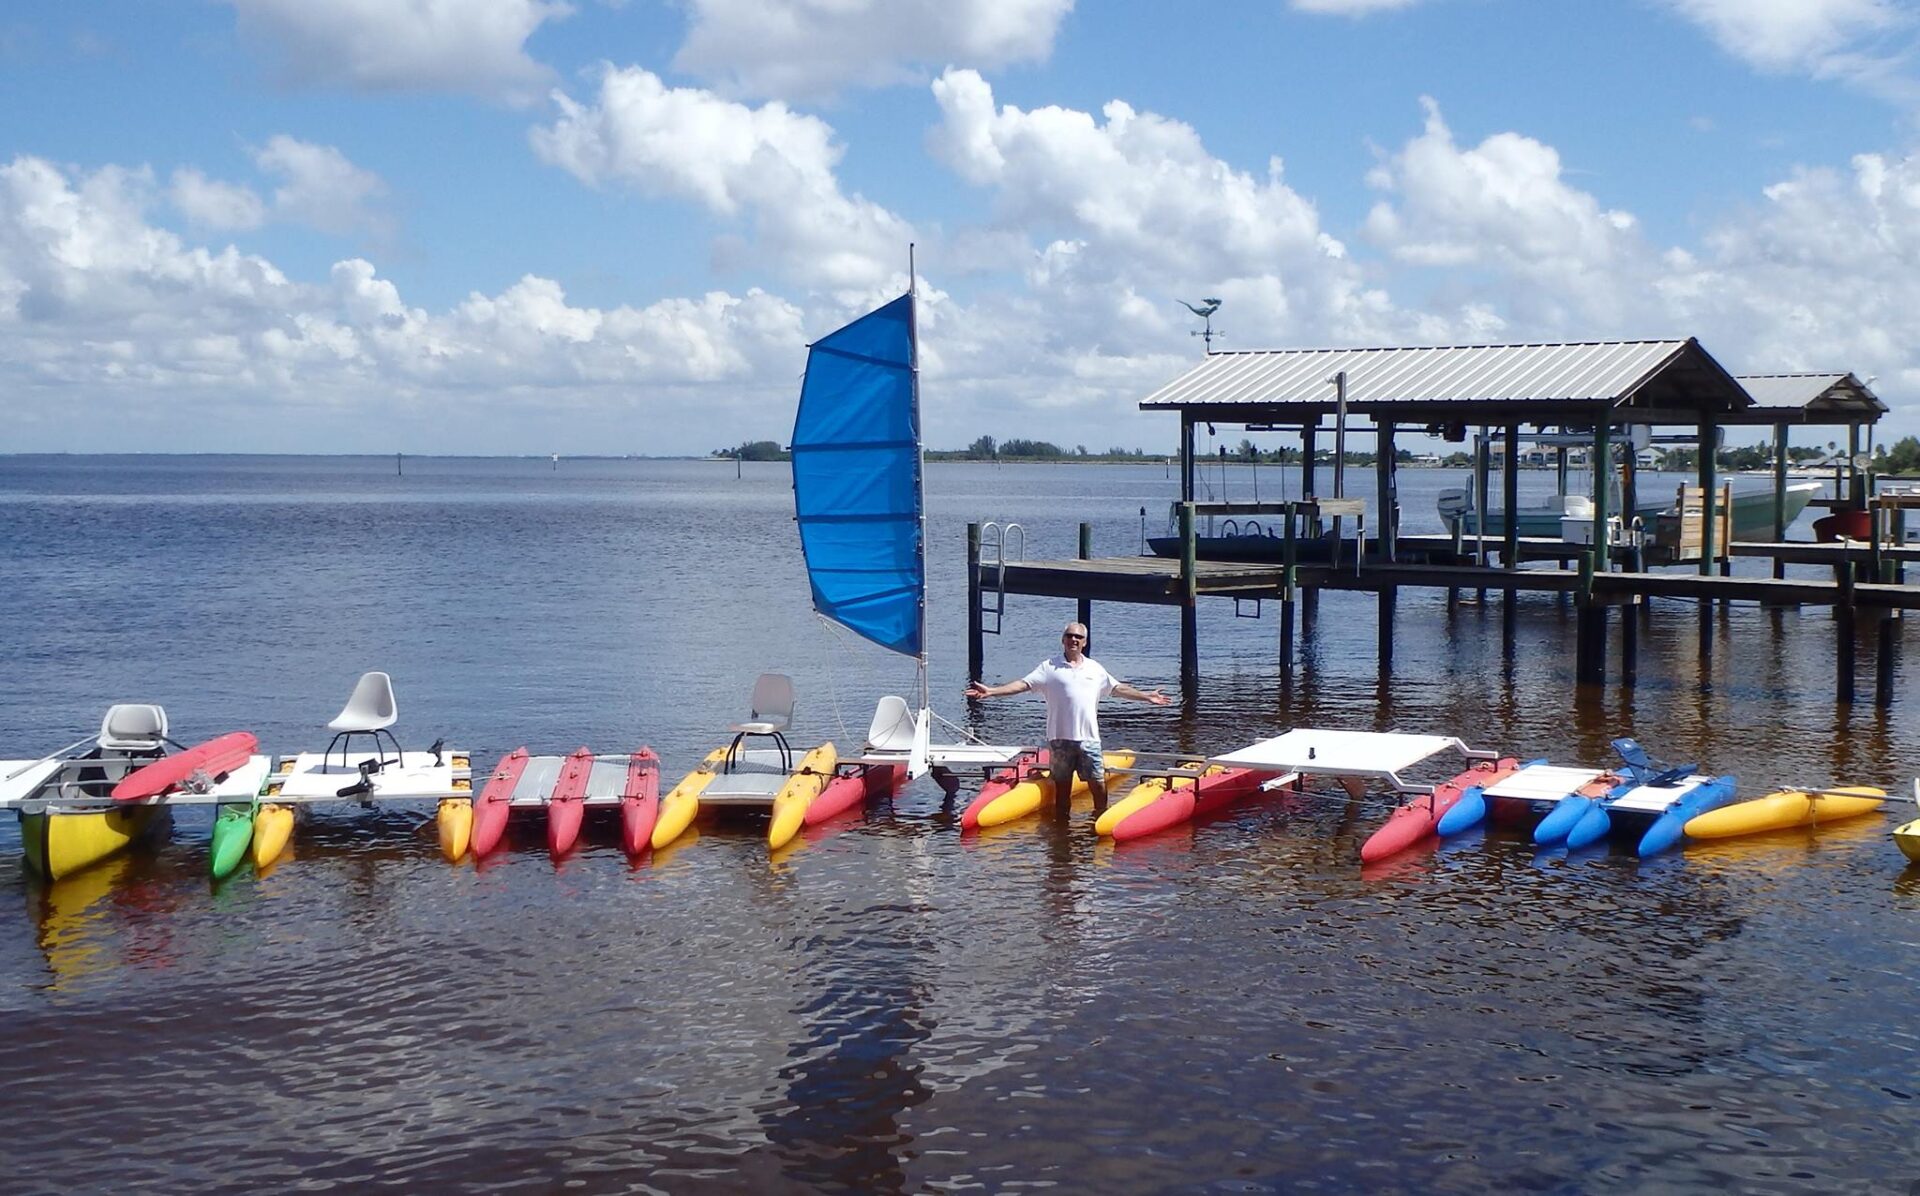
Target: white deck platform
{"type": "Point", "coordinates": [606, 784]}
{"type": "Point", "coordinates": [951, 755]}
{"type": "Point", "coordinates": [756, 777]}
{"type": "Point", "coordinates": [1544, 782]}
{"type": "Point", "coordinates": [1655, 799]}
{"type": "Point", "coordinates": [57, 785]}
{"type": "Point", "coordinates": [319, 777]}
{"type": "Point", "coordinates": [1381, 755]}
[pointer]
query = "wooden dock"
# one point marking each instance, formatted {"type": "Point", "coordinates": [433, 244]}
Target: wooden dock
{"type": "Point", "coordinates": [1165, 581]}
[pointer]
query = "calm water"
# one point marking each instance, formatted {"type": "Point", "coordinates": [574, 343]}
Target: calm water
{"type": "Point", "coordinates": [891, 1007]}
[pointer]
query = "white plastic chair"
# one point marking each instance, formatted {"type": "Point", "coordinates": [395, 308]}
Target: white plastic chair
{"type": "Point", "coordinates": [892, 727]}
{"type": "Point", "coordinates": [370, 711]}
{"type": "Point", "coordinates": [771, 715]}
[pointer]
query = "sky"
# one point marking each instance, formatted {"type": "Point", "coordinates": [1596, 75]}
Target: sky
{"type": "Point", "coordinates": [612, 226]}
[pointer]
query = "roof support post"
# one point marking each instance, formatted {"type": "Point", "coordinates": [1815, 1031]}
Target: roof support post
{"type": "Point", "coordinates": [1779, 494]}
{"type": "Point", "coordinates": [1308, 450]}
{"type": "Point", "coordinates": [1602, 482]}
{"type": "Point", "coordinates": [1387, 472]}
{"type": "Point", "coordinates": [1510, 486]}
{"type": "Point", "coordinates": [1186, 456]}
{"type": "Point", "coordinates": [1710, 547]}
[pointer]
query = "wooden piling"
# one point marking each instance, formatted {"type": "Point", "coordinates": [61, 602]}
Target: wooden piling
{"type": "Point", "coordinates": [1084, 611]}
{"type": "Point", "coordinates": [1884, 661]}
{"type": "Point", "coordinates": [1629, 648]}
{"type": "Point", "coordinates": [975, 648]}
{"type": "Point", "coordinates": [1189, 606]}
{"type": "Point", "coordinates": [1844, 626]}
{"type": "Point", "coordinates": [1289, 587]}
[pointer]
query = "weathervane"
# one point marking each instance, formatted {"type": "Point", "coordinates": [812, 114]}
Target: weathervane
{"type": "Point", "coordinates": [1204, 311]}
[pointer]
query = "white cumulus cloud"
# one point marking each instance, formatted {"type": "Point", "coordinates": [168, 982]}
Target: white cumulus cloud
{"type": "Point", "coordinates": [211, 204]}
{"type": "Point", "coordinates": [469, 46]}
{"type": "Point", "coordinates": [125, 319]}
{"type": "Point", "coordinates": [804, 49]}
{"type": "Point", "coordinates": [320, 187]}
{"type": "Point", "coordinates": [767, 165]}
{"type": "Point", "coordinates": [1865, 43]}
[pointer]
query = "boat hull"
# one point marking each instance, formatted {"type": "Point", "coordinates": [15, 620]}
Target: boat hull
{"type": "Point", "coordinates": [682, 802]}
{"type": "Point", "coordinates": [640, 802]}
{"type": "Point", "coordinates": [790, 804]}
{"type": "Point", "coordinates": [1752, 515]}
{"type": "Point", "coordinates": [63, 843]}
{"type": "Point", "coordinates": [1219, 788]}
{"type": "Point", "coordinates": [844, 793]}
{"type": "Point", "coordinates": [1419, 818]}
{"type": "Point", "coordinates": [232, 835]}
{"type": "Point", "coordinates": [272, 828]}
{"type": "Point", "coordinates": [1784, 811]}
{"type": "Point", "coordinates": [496, 798]}
{"type": "Point", "coordinates": [1907, 837]}
{"type": "Point", "coordinates": [566, 807]}
{"type": "Point", "coordinates": [1035, 789]}
{"type": "Point", "coordinates": [453, 820]}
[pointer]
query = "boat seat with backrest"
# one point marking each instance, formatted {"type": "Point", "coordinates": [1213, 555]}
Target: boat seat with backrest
{"type": "Point", "coordinates": [370, 711]}
{"type": "Point", "coordinates": [893, 726]}
{"type": "Point", "coordinates": [771, 715]}
{"type": "Point", "coordinates": [130, 732]}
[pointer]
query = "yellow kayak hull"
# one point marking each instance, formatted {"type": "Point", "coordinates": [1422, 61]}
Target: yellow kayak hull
{"type": "Point", "coordinates": [682, 802]}
{"type": "Point", "coordinates": [790, 804]}
{"type": "Point", "coordinates": [1907, 835]}
{"type": "Point", "coordinates": [1783, 811]}
{"type": "Point", "coordinates": [272, 827]}
{"type": "Point", "coordinates": [454, 822]}
{"type": "Point", "coordinates": [1028, 796]}
{"type": "Point", "coordinates": [1148, 791]}
{"type": "Point", "coordinates": [61, 844]}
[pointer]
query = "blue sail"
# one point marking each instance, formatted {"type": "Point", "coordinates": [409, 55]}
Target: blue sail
{"type": "Point", "coordinates": [856, 478]}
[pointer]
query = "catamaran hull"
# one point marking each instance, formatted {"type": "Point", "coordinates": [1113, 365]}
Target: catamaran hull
{"type": "Point", "coordinates": [1181, 805]}
{"type": "Point", "coordinates": [1420, 818]}
{"type": "Point", "coordinates": [453, 822]}
{"type": "Point", "coordinates": [682, 802]}
{"type": "Point", "coordinates": [272, 828]}
{"type": "Point", "coordinates": [790, 803]}
{"type": "Point", "coordinates": [490, 808]}
{"type": "Point", "coordinates": [1907, 837]}
{"type": "Point", "coordinates": [1784, 811]}
{"type": "Point", "coordinates": [232, 835]}
{"type": "Point", "coordinates": [850, 790]}
{"type": "Point", "coordinates": [60, 844]}
{"type": "Point", "coordinates": [640, 802]}
{"type": "Point", "coordinates": [1033, 790]}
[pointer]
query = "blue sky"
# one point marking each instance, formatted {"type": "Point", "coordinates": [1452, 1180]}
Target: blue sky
{"type": "Point", "coordinates": [506, 226]}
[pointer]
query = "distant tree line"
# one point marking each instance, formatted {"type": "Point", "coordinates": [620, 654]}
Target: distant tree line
{"type": "Point", "coordinates": [755, 450]}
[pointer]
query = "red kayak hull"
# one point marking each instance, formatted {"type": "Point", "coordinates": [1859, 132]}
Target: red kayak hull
{"type": "Point", "coordinates": [1188, 802]}
{"type": "Point", "coordinates": [640, 802]}
{"type": "Point", "coordinates": [490, 808]}
{"type": "Point", "coordinates": [1033, 765]}
{"type": "Point", "coordinates": [1420, 817]}
{"type": "Point", "coordinates": [215, 757]}
{"type": "Point", "coordinates": [852, 789]}
{"type": "Point", "coordinates": [567, 805]}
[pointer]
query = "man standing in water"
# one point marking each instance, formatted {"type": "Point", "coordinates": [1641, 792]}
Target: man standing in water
{"type": "Point", "coordinates": [1073, 684]}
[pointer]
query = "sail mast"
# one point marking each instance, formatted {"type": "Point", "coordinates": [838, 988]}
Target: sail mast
{"type": "Point", "coordinates": [920, 463]}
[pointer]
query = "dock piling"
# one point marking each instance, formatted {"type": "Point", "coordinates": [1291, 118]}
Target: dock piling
{"type": "Point", "coordinates": [1084, 611]}
{"type": "Point", "coordinates": [974, 646]}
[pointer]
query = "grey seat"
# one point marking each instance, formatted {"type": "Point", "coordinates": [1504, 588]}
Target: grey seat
{"type": "Point", "coordinates": [771, 715]}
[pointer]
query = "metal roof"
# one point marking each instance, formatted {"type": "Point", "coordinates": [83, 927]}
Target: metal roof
{"type": "Point", "coordinates": [1821, 391]}
{"type": "Point", "coordinates": [1668, 373]}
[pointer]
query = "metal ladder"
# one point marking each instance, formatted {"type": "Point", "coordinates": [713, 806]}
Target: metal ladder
{"type": "Point", "coordinates": [994, 537]}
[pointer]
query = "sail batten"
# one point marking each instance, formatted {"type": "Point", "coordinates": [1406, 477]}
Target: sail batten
{"type": "Point", "coordinates": [856, 478]}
